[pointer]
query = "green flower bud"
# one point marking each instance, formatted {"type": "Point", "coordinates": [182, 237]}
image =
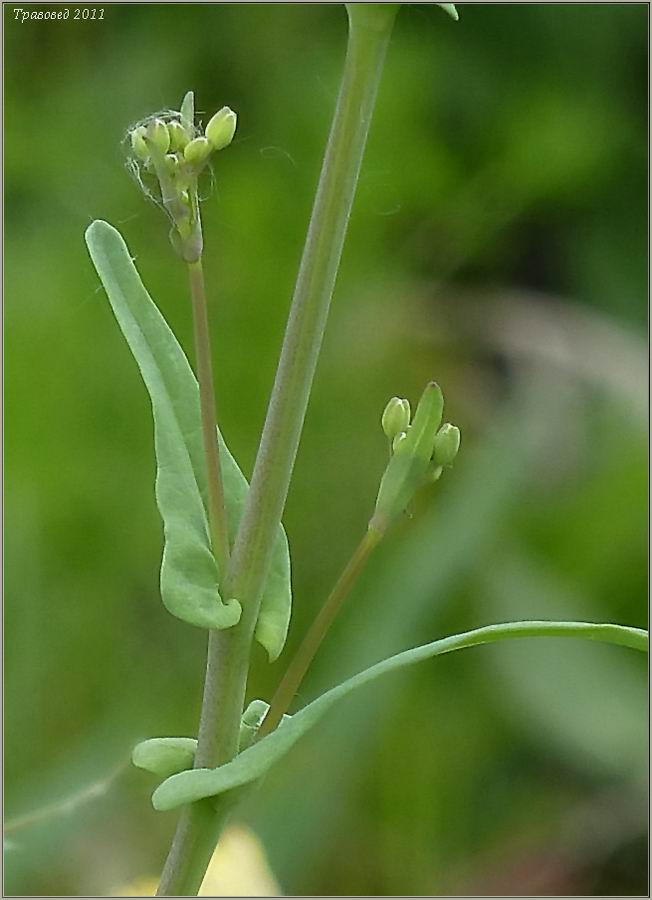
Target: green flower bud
{"type": "Point", "coordinates": [171, 163]}
{"type": "Point", "coordinates": [397, 441]}
{"type": "Point", "coordinates": [396, 417]}
{"type": "Point", "coordinates": [221, 128]}
{"type": "Point", "coordinates": [434, 472]}
{"type": "Point", "coordinates": [138, 144]}
{"type": "Point", "coordinates": [178, 135]}
{"type": "Point", "coordinates": [182, 179]}
{"type": "Point", "coordinates": [409, 466]}
{"type": "Point", "coordinates": [197, 151]}
{"type": "Point", "coordinates": [447, 443]}
{"type": "Point", "coordinates": [157, 132]}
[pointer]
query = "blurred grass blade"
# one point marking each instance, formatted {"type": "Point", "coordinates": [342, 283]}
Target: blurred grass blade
{"type": "Point", "coordinates": [189, 572]}
{"type": "Point", "coordinates": [190, 786]}
{"type": "Point", "coordinates": [64, 807]}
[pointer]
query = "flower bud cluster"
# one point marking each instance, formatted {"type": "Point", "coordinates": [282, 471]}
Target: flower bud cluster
{"type": "Point", "coordinates": [420, 450]}
{"type": "Point", "coordinates": [171, 148]}
{"type": "Point", "coordinates": [184, 152]}
{"type": "Point", "coordinates": [395, 423]}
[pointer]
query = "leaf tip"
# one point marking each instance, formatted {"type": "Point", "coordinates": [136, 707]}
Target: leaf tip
{"type": "Point", "coordinates": [97, 230]}
{"type": "Point", "coordinates": [271, 636]}
{"type": "Point", "coordinates": [159, 800]}
{"type": "Point", "coordinates": [451, 10]}
{"type": "Point", "coordinates": [165, 797]}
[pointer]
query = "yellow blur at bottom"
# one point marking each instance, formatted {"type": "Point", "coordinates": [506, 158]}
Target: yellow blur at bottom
{"type": "Point", "coordinates": [239, 868]}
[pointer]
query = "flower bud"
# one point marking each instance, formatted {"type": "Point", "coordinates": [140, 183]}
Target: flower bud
{"type": "Point", "coordinates": [197, 151]}
{"type": "Point", "coordinates": [182, 178]}
{"type": "Point", "coordinates": [434, 472]}
{"type": "Point", "coordinates": [221, 128]}
{"type": "Point", "coordinates": [409, 466]}
{"type": "Point", "coordinates": [447, 443]}
{"type": "Point", "coordinates": [178, 135]}
{"type": "Point", "coordinates": [157, 133]}
{"type": "Point", "coordinates": [138, 144]}
{"type": "Point", "coordinates": [396, 417]}
{"type": "Point", "coordinates": [398, 440]}
{"type": "Point", "coordinates": [171, 163]}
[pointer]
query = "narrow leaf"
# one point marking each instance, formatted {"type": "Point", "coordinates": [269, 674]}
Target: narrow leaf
{"type": "Point", "coordinates": [250, 765]}
{"type": "Point", "coordinates": [450, 9]}
{"type": "Point", "coordinates": [188, 112]}
{"type": "Point", "coordinates": [189, 572]}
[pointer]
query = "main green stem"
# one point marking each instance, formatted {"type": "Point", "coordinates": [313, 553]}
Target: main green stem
{"type": "Point", "coordinates": [307, 321]}
{"type": "Point", "coordinates": [229, 650]}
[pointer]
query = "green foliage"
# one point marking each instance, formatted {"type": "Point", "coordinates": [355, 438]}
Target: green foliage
{"type": "Point", "coordinates": [450, 9]}
{"type": "Point", "coordinates": [165, 756]}
{"type": "Point", "coordinates": [169, 755]}
{"type": "Point", "coordinates": [190, 786]}
{"type": "Point", "coordinates": [527, 173]}
{"type": "Point", "coordinates": [189, 571]}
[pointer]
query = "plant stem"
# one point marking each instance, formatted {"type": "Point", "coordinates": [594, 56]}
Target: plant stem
{"type": "Point", "coordinates": [196, 836]}
{"type": "Point", "coordinates": [267, 494]}
{"type": "Point", "coordinates": [307, 321]}
{"type": "Point", "coordinates": [295, 672]}
{"type": "Point", "coordinates": [229, 650]}
{"type": "Point", "coordinates": [216, 506]}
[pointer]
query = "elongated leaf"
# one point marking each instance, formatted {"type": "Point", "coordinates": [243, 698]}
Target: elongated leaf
{"type": "Point", "coordinates": [189, 786]}
{"type": "Point", "coordinates": [450, 9]}
{"type": "Point", "coordinates": [189, 572]}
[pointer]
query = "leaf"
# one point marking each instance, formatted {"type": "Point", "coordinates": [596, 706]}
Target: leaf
{"type": "Point", "coordinates": [189, 572]}
{"type": "Point", "coordinates": [165, 756]}
{"type": "Point", "coordinates": [190, 786]}
{"type": "Point", "coordinates": [188, 112]}
{"type": "Point", "coordinates": [450, 9]}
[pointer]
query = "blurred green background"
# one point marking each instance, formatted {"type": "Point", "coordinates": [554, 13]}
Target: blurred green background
{"type": "Point", "coordinates": [499, 244]}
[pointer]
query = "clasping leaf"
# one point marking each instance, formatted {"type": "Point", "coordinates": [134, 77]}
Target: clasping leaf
{"type": "Point", "coordinates": [254, 762]}
{"type": "Point", "coordinates": [190, 576]}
